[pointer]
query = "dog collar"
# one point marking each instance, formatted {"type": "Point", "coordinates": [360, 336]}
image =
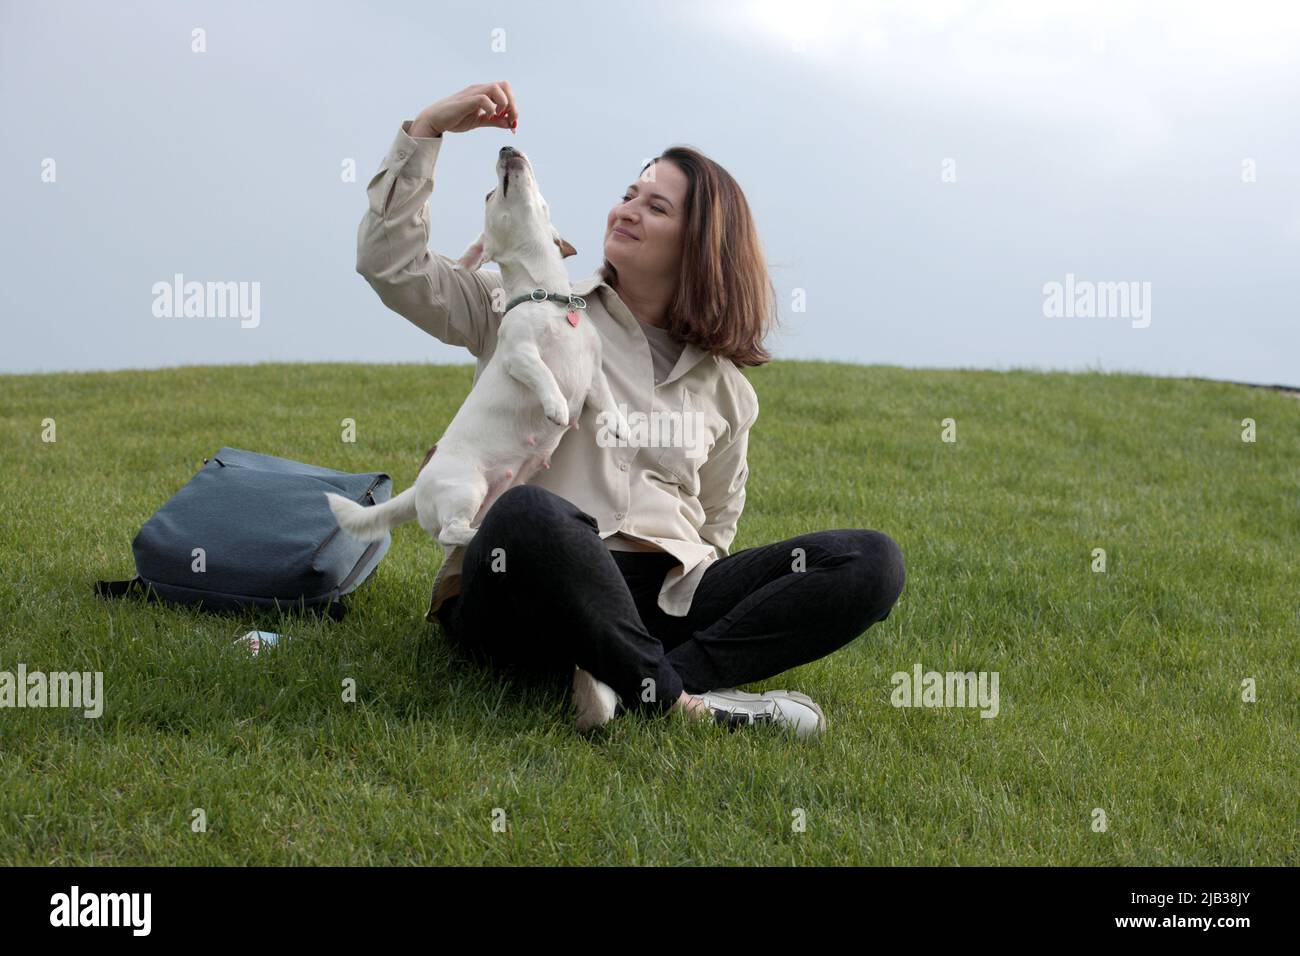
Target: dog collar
{"type": "Point", "coordinates": [574, 302]}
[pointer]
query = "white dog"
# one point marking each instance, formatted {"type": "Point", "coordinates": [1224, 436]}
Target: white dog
{"type": "Point", "coordinates": [546, 367]}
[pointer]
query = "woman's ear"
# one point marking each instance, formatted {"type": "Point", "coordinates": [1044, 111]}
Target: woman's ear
{"type": "Point", "coordinates": [474, 257]}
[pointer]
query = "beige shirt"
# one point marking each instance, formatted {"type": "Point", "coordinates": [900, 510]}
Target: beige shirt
{"type": "Point", "coordinates": [664, 349]}
{"type": "Point", "coordinates": [678, 486]}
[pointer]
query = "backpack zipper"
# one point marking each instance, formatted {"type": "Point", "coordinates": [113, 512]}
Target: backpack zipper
{"type": "Point", "coordinates": [361, 563]}
{"type": "Point", "coordinates": [365, 555]}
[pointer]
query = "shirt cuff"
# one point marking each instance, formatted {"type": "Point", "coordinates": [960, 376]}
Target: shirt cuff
{"type": "Point", "coordinates": [411, 157]}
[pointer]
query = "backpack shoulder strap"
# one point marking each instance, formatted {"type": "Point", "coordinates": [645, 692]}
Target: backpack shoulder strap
{"type": "Point", "coordinates": [115, 589]}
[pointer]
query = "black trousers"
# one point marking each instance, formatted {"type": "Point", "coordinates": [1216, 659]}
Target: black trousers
{"type": "Point", "coordinates": [540, 591]}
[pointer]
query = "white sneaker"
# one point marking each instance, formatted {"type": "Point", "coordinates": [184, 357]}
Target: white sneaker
{"type": "Point", "coordinates": [594, 701]}
{"type": "Point", "coordinates": [788, 709]}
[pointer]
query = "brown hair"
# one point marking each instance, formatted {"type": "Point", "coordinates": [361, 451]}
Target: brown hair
{"type": "Point", "coordinates": [725, 302]}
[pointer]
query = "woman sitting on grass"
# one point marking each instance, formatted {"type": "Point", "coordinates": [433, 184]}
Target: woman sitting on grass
{"type": "Point", "coordinates": [615, 560]}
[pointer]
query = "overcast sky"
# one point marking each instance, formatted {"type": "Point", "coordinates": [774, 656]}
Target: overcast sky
{"type": "Point", "coordinates": [923, 172]}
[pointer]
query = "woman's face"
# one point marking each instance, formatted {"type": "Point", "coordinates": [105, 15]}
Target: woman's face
{"type": "Point", "coordinates": [653, 213]}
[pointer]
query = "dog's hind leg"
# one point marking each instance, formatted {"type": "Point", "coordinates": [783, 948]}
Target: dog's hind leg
{"type": "Point", "coordinates": [455, 502]}
{"type": "Point", "coordinates": [456, 534]}
{"type": "Point", "coordinates": [504, 481]}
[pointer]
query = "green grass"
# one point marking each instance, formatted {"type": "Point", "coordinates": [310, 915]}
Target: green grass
{"type": "Point", "coordinates": [1119, 691]}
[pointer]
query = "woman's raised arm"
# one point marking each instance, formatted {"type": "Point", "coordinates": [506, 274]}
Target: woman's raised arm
{"type": "Point", "coordinates": [393, 253]}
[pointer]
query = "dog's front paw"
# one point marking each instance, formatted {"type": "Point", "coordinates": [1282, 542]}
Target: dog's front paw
{"type": "Point", "coordinates": [557, 412]}
{"type": "Point", "coordinates": [614, 424]}
{"type": "Point", "coordinates": [622, 430]}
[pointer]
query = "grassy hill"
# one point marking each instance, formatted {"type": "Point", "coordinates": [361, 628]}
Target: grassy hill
{"type": "Point", "coordinates": [1120, 691]}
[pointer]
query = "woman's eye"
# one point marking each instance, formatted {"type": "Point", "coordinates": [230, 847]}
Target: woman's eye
{"type": "Point", "coordinates": [657, 208]}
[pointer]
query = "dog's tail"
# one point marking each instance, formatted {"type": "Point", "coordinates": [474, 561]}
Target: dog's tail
{"type": "Point", "coordinates": [371, 524]}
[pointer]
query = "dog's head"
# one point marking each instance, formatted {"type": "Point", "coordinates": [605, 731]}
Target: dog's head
{"type": "Point", "coordinates": [517, 225]}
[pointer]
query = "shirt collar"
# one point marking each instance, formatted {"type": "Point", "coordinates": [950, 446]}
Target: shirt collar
{"type": "Point", "coordinates": [585, 286]}
{"type": "Point", "coordinates": [691, 355]}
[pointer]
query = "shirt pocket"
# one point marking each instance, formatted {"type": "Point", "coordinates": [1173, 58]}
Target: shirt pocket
{"type": "Point", "coordinates": [688, 436]}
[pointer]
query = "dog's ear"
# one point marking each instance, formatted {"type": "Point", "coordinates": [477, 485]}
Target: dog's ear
{"type": "Point", "coordinates": [566, 250]}
{"type": "Point", "coordinates": [427, 455]}
{"type": "Point", "coordinates": [477, 254]}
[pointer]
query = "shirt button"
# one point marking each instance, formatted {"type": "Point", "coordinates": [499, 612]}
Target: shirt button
{"type": "Point", "coordinates": [622, 466]}
{"type": "Point", "coordinates": [618, 515]}
{"type": "Point", "coordinates": [401, 154]}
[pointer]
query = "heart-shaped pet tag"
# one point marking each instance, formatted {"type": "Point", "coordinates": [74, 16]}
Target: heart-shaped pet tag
{"type": "Point", "coordinates": [573, 317]}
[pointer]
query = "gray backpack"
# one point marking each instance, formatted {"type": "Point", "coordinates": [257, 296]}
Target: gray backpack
{"type": "Point", "coordinates": [253, 531]}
